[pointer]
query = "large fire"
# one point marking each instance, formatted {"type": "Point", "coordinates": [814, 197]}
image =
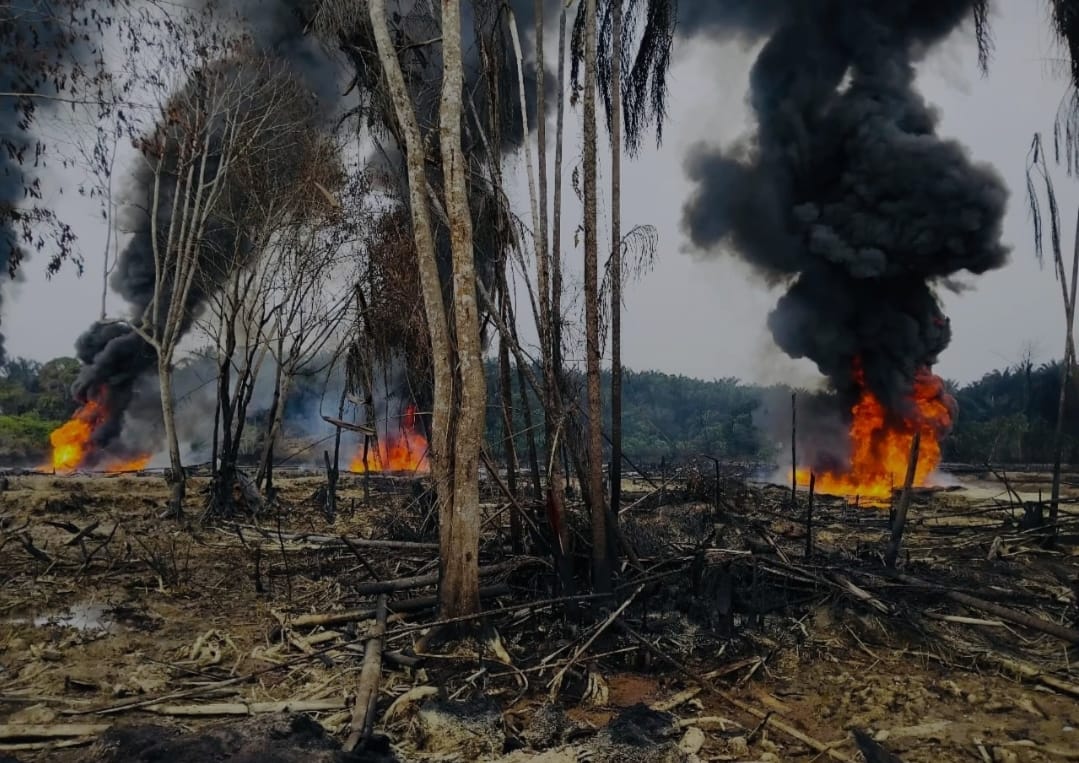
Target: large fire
{"type": "Point", "coordinates": [72, 445]}
{"type": "Point", "coordinates": [881, 442]}
{"type": "Point", "coordinates": [403, 451]}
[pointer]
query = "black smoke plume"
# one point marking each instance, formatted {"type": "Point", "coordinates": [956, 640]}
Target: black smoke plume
{"type": "Point", "coordinates": [114, 355]}
{"type": "Point", "coordinates": [846, 192]}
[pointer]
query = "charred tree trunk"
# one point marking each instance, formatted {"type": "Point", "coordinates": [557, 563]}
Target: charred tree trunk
{"type": "Point", "coordinates": [900, 522]}
{"type": "Point", "coordinates": [505, 378]}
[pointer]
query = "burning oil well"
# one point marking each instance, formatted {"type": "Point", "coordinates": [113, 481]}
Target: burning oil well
{"type": "Point", "coordinates": [848, 197]}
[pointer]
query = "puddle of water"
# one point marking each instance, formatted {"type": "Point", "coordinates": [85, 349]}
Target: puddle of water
{"type": "Point", "coordinates": [82, 616]}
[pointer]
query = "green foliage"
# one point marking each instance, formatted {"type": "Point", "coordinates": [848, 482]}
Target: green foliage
{"type": "Point", "coordinates": [24, 437]}
{"type": "Point", "coordinates": [664, 417]}
{"type": "Point", "coordinates": [44, 390]}
{"type": "Point", "coordinates": [1009, 416]}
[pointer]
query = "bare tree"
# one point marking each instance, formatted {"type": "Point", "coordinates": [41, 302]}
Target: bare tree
{"type": "Point", "coordinates": [313, 289]}
{"type": "Point", "coordinates": [231, 119]}
{"type": "Point", "coordinates": [240, 313]}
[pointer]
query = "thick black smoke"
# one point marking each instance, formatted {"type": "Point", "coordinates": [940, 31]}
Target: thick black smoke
{"type": "Point", "coordinates": [846, 192]}
{"type": "Point", "coordinates": [115, 357]}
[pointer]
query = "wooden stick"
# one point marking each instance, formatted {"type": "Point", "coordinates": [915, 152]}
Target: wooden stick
{"type": "Point", "coordinates": [363, 713]}
{"type": "Point", "coordinates": [809, 516]}
{"type": "Point", "coordinates": [556, 682]}
{"type": "Point", "coordinates": [408, 605]}
{"type": "Point", "coordinates": [769, 718]}
{"type": "Point", "coordinates": [794, 449]}
{"type": "Point", "coordinates": [904, 503]}
{"type": "Point", "coordinates": [52, 744]}
{"type": "Point", "coordinates": [31, 731]}
{"type": "Point", "coordinates": [249, 708]}
{"type": "Point", "coordinates": [331, 540]}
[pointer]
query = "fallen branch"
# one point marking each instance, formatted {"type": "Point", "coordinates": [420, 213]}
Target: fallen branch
{"type": "Point", "coordinates": [1016, 617]}
{"type": "Point", "coordinates": [331, 540]}
{"type": "Point", "coordinates": [363, 713]}
{"type": "Point", "coordinates": [556, 682]}
{"type": "Point", "coordinates": [53, 744]}
{"type": "Point", "coordinates": [250, 708]}
{"type": "Point", "coordinates": [408, 605]}
{"type": "Point", "coordinates": [1031, 673]}
{"type": "Point", "coordinates": [420, 581]}
{"type": "Point", "coordinates": [25, 732]}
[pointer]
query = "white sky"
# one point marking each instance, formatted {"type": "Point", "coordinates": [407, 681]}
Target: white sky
{"type": "Point", "coordinates": [704, 315]}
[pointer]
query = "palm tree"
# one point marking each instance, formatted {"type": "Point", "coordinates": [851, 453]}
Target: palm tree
{"type": "Point", "coordinates": [632, 77]}
{"type": "Point", "coordinates": [601, 563]}
{"type": "Point", "coordinates": [1038, 173]}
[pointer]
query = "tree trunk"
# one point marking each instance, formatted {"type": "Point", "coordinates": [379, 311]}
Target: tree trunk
{"type": "Point", "coordinates": [526, 409]}
{"type": "Point", "coordinates": [556, 237]}
{"type": "Point", "coordinates": [556, 269]}
{"type": "Point", "coordinates": [175, 476]}
{"type": "Point", "coordinates": [282, 382]}
{"type": "Point", "coordinates": [459, 520]}
{"type": "Point", "coordinates": [616, 266]}
{"type": "Point", "coordinates": [440, 457]}
{"type": "Point", "coordinates": [505, 380]}
{"type": "Point", "coordinates": [601, 567]}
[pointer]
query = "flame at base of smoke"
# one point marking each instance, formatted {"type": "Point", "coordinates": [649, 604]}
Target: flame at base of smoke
{"type": "Point", "coordinates": [880, 441]}
{"type": "Point", "coordinates": [72, 444]}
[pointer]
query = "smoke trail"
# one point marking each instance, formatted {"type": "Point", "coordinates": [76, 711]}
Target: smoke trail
{"type": "Point", "coordinates": [846, 191]}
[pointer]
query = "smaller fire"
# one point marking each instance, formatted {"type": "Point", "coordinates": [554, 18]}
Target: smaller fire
{"type": "Point", "coordinates": [403, 451]}
{"type": "Point", "coordinates": [881, 442]}
{"type": "Point", "coordinates": [72, 444]}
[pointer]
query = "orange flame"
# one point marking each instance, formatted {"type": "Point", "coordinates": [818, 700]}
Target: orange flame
{"type": "Point", "coordinates": [880, 444]}
{"type": "Point", "coordinates": [405, 451]}
{"type": "Point", "coordinates": [71, 443]}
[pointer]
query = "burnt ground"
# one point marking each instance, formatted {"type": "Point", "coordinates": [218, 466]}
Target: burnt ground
{"type": "Point", "coordinates": [124, 637]}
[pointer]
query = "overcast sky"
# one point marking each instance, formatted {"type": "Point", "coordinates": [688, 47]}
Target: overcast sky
{"type": "Point", "coordinates": [703, 314]}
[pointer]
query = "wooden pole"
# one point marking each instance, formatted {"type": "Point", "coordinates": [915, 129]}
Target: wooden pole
{"type": "Point", "coordinates": [794, 449]}
{"type": "Point", "coordinates": [904, 503]}
{"type": "Point", "coordinates": [809, 516]}
{"type": "Point", "coordinates": [363, 713]}
{"type": "Point", "coordinates": [366, 470]}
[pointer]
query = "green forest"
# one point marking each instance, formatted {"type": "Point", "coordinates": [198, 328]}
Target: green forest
{"type": "Point", "coordinates": [1005, 417]}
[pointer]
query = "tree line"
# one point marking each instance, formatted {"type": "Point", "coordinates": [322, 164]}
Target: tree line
{"type": "Point", "coordinates": [1005, 417]}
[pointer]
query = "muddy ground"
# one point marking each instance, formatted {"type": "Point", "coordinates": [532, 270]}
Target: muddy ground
{"type": "Point", "coordinates": [170, 640]}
